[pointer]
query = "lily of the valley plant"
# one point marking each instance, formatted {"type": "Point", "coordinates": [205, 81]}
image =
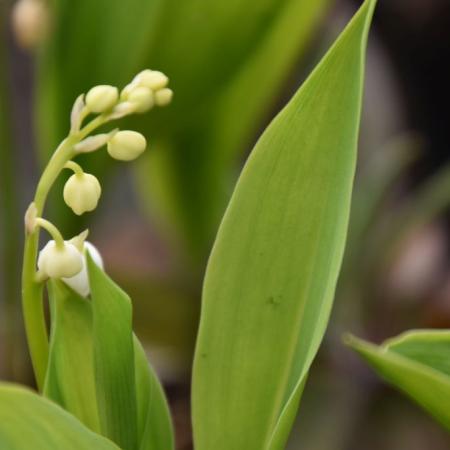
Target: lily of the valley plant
{"type": "Point", "coordinates": [268, 288]}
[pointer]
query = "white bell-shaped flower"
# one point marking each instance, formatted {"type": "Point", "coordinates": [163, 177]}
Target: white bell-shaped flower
{"type": "Point", "coordinates": [126, 145]}
{"type": "Point", "coordinates": [60, 261]}
{"type": "Point", "coordinates": [80, 282]}
{"type": "Point", "coordinates": [102, 98]}
{"type": "Point", "coordinates": [82, 192]}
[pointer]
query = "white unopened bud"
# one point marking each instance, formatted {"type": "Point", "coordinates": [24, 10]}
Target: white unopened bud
{"type": "Point", "coordinates": [126, 145]}
{"type": "Point", "coordinates": [125, 92]}
{"type": "Point", "coordinates": [82, 192]}
{"type": "Point", "coordinates": [102, 98]}
{"type": "Point", "coordinates": [152, 79]}
{"type": "Point", "coordinates": [142, 98]}
{"type": "Point", "coordinates": [30, 22]}
{"type": "Point", "coordinates": [60, 261]}
{"type": "Point", "coordinates": [80, 282]}
{"type": "Point", "coordinates": [163, 97]}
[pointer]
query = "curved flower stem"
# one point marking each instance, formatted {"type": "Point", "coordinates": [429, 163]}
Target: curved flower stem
{"type": "Point", "coordinates": [76, 168]}
{"type": "Point", "coordinates": [32, 286]}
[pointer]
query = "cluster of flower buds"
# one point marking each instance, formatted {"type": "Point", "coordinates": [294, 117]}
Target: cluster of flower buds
{"type": "Point", "coordinates": [67, 259]}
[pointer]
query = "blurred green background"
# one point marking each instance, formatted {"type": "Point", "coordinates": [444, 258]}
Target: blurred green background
{"type": "Point", "coordinates": [232, 66]}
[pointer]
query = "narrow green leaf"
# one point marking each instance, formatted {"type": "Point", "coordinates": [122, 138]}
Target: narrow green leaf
{"type": "Point", "coordinates": [417, 363]}
{"type": "Point", "coordinates": [113, 359]}
{"type": "Point", "coordinates": [30, 421]}
{"type": "Point", "coordinates": [154, 422]}
{"type": "Point", "coordinates": [71, 380]}
{"type": "Point", "coordinates": [70, 373]}
{"type": "Point", "coordinates": [272, 273]}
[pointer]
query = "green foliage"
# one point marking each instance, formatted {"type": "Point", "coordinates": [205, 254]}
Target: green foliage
{"type": "Point", "coordinates": [418, 364]}
{"type": "Point", "coordinates": [30, 421]}
{"type": "Point", "coordinates": [98, 370]}
{"type": "Point", "coordinates": [70, 377]}
{"type": "Point", "coordinates": [113, 359]}
{"type": "Point", "coordinates": [271, 276]}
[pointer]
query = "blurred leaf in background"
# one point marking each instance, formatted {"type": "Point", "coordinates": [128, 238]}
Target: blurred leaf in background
{"type": "Point", "coordinates": [417, 363]}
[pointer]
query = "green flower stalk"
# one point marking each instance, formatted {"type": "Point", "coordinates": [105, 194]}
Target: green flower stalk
{"type": "Point", "coordinates": [63, 259]}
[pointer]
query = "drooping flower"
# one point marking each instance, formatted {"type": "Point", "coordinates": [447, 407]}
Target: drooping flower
{"type": "Point", "coordinates": [58, 261]}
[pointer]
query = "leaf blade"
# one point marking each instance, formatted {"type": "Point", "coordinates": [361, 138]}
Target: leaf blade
{"type": "Point", "coordinates": [28, 418]}
{"type": "Point", "coordinates": [425, 384]}
{"type": "Point", "coordinates": [272, 273]}
{"type": "Point", "coordinates": [113, 358]}
{"type": "Point", "coordinates": [70, 373]}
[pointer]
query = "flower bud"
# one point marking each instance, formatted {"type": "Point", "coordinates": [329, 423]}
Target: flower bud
{"type": "Point", "coordinates": [126, 91]}
{"type": "Point", "coordinates": [82, 192]}
{"type": "Point", "coordinates": [163, 97]}
{"type": "Point", "coordinates": [102, 98]}
{"type": "Point", "coordinates": [142, 99]}
{"type": "Point", "coordinates": [80, 282]}
{"type": "Point", "coordinates": [152, 79]}
{"type": "Point", "coordinates": [58, 262]}
{"type": "Point", "coordinates": [126, 145]}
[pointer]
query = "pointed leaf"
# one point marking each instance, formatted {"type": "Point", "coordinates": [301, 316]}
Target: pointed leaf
{"type": "Point", "coordinates": [30, 421]}
{"type": "Point", "coordinates": [70, 373]}
{"type": "Point", "coordinates": [272, 273]}
{"type": "Point", "coordinates": [113, 359]}
{"type": "Point", "coordinates": [417, 363]}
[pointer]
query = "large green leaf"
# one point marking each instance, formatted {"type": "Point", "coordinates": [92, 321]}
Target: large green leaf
{"type": "Point", "coordinates": [417, 363]}
{"type": "Point", "coordinates": [272, 273]}
{"type": "Point", "coordinates": [30, 421]}
{"type": "Point", "coordinates": [70, 377]}
{"type": "Point", "coordinates": [113, 359]}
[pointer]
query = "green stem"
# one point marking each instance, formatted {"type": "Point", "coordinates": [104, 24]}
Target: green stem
{"type": "Point", "coordinates": [76, 168]}
{"type": "Point", "coordinates": [52, 230]}
{"type": "Point", "coordinates": [32, 287]}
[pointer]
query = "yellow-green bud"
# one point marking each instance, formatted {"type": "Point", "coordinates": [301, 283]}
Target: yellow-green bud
{"type": "Point", "coordinates": [163, 97]}
{"type": "Point", "coordinates": [102, 98]}
{"type": "Point", "coordinates": [152, 79]}
{"type": "Point", "coordinates": [82, 192]}
{"type": "Point", "coordinates": [142, 99]}
{"type": "Point", "coordinates": [59, 262]}
{"type": "Point", "coordinates": [80, 282]}
{"type": "Point", "coordinates": [126, 145]}
{"type": "Point", "coordinates": [125, 92]}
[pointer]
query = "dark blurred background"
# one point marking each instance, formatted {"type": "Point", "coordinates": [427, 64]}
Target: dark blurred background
{"type": "Point", "coordinates": [157, 219]}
